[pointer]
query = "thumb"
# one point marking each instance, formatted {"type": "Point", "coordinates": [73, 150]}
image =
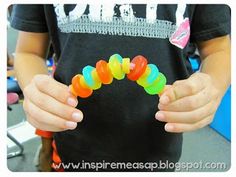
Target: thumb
{"type": "Point", "coordinates": [165, 89]}
{"type": "Point", "coordinates": [168, 95]}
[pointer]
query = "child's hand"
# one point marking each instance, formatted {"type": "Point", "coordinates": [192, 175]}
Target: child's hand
{"type": "Point", "coordinates": [189, 104]}
{"type": "Point", "coordinates": [49, 105]}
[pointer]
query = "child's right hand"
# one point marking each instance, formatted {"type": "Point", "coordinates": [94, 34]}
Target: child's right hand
{"type": "Point", "coordinates": [50, 106]}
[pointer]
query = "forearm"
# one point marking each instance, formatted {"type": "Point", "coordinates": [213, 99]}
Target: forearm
{"type": "Point", "coordinates": [27, 66]}
{"type": "Point", "coordinates": [216, 61]}
{"type": "Point", "coordinates": [218, 66]}
{"type": "Point", "coordinates": [31, 51]}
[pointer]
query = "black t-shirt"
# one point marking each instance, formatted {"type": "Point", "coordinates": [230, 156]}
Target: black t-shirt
{"type": "Point", "coordinates": [119, 122]}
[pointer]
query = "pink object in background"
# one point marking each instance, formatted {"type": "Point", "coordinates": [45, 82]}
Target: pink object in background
{"type": "Point", "coordinates": [181, 35]}
{"type": "Point", "coordinates": [12, 98]}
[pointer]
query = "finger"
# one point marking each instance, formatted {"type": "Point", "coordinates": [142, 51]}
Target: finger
{"type": "Point", "coordinates": [168, 95]}
{"type": "Point", "coordinates": [165, 88]}
{"type": "Point", "coordinates": [47, 121]}
{"type": "Point", "coordinates": [184, 88]}
{"type": "Point", "coordinates": [51, 105]}
{"type": "Point", "coordinates": [33, 121]}
{"type": "Point", "coordinates": [181, 127]}
{"type": "Point", "coordinates": [55, 89]}
{"type": "Point", "coordinates": [190, 102]}
{"type": "Point", "coordinates": [36, 124]}
{"type": "Point", "coordinates": [194, 84]}
{"type": "Point", "coordinates": [30, 119]}
{"type": "Point", "coordinates": [165, 98]}
{"type": "Point", "coordinates": [187, 117]}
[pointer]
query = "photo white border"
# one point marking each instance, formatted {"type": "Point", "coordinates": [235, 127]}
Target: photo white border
{"type": "Point", "coordinates": [3, 46]}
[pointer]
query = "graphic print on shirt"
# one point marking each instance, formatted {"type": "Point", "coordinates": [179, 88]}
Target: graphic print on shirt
{"type": "Point", "coordinates": [182, 33]}
{"type": "Point", "coordinates": [106, 21]}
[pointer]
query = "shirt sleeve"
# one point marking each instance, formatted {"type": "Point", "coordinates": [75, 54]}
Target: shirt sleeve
{"type": "Point", "coordinates": [210, 21]}
{"type": "Point", "coordinates": [29, 18]}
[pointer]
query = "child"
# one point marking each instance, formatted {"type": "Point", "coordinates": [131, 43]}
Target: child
{"type": "Point", "coordinates": [120, 122]}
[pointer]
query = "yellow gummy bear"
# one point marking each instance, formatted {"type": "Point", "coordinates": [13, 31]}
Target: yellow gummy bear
{"type": "Point", "coordinates": [143, 79]}
{"type": "Point", "coordinates": [83, 83]}
{"type": "Point", "coordinates": [126, 65]}
{"type": "Point", "coordinates": [115, 67]}
{"type": "Point", "coordinates": [97, 81]}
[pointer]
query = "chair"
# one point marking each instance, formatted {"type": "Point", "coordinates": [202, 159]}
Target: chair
{"type": "Point", "coordinates": [11, 99]}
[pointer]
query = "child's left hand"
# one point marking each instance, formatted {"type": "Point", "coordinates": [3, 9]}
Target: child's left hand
{"type": "Point", "coordinates": [189, 104]}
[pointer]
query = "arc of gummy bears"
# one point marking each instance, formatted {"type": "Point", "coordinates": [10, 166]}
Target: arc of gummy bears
{"type": "Point", "coordinates": [146, 75]}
